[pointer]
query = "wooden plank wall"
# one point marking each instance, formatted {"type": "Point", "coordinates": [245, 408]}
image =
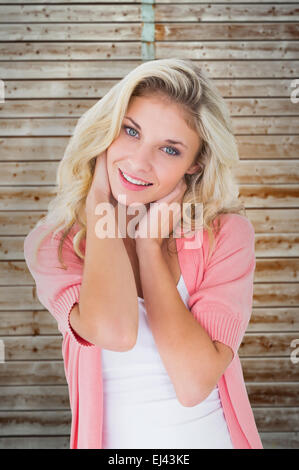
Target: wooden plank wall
{"type": "Point", "coordinates": [57, 59]}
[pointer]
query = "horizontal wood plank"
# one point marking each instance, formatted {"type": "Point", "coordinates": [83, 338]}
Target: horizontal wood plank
{"type": "Point", "coordinates": [275, 394]}
{"type": "Point", "coordinates": [266, 222]}
{"type": "Point", "coordinates": [18, 423]}
{"type": "Point", "coordinates": [51, 372]}
{"type": "Point", "coordinates": [276, 294]}
{"type": "Point", "coordinates": [35, 442]}
{"type": "Point", "coordinates": [276, 270]}
{"type": "Point", "coordinates": [233, 12]}
{"type": "Point", "coordinates": [76, 107]}
{"type": "Point", "coordinates": [41, 322]}
{"type": "Point", "coordinates": [266, 196]}
{"type": "Point", "coordinates": [76, 13]}
{"type": "Point", "coordinates": [58, 422]}
{"type": "Point", "coordinates": [223, 31]}
{"type": "Point", "coordinates": [28, 348]}
{"type": "Point", "coordinates": [246, 172]}
{"type": "Point", "coordinates": [162, 31]}
{"type": "Point", "coordinates": [281, 245]}
{"type": "Point", "coordinates": [253, 147]}
{"type": "Point", "coordinates": [19, 222]}
{"type": "Point", "coordinates": [272, 220]}
{"type": "Point", "coordinates": [25, 2]}
{"type": "Point", "coordinates": [168, 2]}
{"type": "Point", "coordinates": [252, 196]}
{"type": "Point", "coordinates": [274, 319]}
{"type": "Point", "coordinates": [267, 146]}
{"type": "Point", "coordinates": [270, 440]}
{"type": "Point", "coordinates": [208, 50]}
{"type": "Point", "coordinates": [61, 126]}
{"type": "Point", "coordinates": [15, 272]}
{"type": "Point", "coordinates": [276, 419]}
{"type": "Point", "coordinates": [265, 295]}
{"type": "Point", "coordinates": [132, 13]}
{"type": "Point", "coordinates": [266, 245]}
{"type": "Point", "coordinates": [83, 50]}
{"type": "Point", "coordinates": [91, 32]}
{"type": "Point", "coordinates": [112, 69]}
{"type": "Point", "coordinates": [26, 322]}
{"type": "Point", "coordinates": [41, 397]}
{"type": "Point", "coordinates": [33, 198]}
{"type": "Point", "coordinates": [34, 148]}
{"type": "Point", "coordinates": [56, 397]}
{"type": "Point", "coordinates": [251, 50]}
{"type": "Point", "coordinates": [32, 348]}
{"type": "Point", "coordinates": [92, 88]}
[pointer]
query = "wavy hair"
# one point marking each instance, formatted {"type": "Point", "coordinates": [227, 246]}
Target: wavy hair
{"type": "Point", "coordinates": [183, 82]}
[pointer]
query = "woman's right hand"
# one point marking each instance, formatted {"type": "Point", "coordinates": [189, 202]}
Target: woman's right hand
{"type": "Point", "coordinates": [100, 189]}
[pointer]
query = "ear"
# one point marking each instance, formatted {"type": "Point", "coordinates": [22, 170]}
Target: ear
{"type": "Point", "coordinates": [194, 168]}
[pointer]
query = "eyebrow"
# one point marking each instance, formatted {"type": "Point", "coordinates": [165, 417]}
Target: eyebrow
{"type": "Point", "coordinates": [166, 140]}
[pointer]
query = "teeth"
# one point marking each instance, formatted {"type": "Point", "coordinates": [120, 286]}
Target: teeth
{"type": "Point", "coordinates": [132, 180]}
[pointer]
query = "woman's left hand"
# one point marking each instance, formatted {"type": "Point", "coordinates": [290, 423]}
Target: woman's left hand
{"type": "Point", "coordinates": [162, 218]}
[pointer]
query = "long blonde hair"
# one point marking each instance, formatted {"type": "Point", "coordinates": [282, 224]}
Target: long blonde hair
{"type": "Point", "coordinates": [184, 83]}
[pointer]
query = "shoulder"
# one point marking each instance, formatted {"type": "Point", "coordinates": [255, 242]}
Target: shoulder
{"type": "Point", "coordinates": [45, 232]}
{"type": "Point", "coordinates": [235, 234]}
{"type": "Point", "coordinates": [229, 230]}
{"type": "Point", "coordinates": [236, 228]}
{"type": "Point", "coordinates": [41, 244]}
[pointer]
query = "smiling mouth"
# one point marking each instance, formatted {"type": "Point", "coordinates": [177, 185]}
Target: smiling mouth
{"type": "Point", "coordinates": [135, 181]}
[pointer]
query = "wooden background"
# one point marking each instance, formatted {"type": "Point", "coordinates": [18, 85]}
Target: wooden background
{"type": "Point", "coordinates": [56, 60]}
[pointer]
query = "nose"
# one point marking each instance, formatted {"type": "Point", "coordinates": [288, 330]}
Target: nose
{"type": "Point", "coordinates": [141, 163]}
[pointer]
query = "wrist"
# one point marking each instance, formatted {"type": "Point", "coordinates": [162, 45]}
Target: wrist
{"type": "Point", "coordinates": [94, 200]}
{"type": "Point", "coordinates": [95, 197]}
{"type": "Point", "coordinates": [147, 244]}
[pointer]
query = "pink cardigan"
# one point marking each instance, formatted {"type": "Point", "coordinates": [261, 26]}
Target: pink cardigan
{"type": "Point", "coordinates": [220, 290]}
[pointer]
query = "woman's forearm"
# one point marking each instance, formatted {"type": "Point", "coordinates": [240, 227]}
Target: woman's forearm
{"type": "Point", "coordinates": [108, 296]}
{"type": "Point", "coordinates": [191, 358]}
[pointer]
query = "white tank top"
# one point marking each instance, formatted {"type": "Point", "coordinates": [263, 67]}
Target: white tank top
{"type": "Point", "coordinates": [141, 409]}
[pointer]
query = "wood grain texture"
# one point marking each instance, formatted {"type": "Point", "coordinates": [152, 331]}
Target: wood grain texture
{"type": "Point", "coordinates": [58, 422]}
{"type": "Point", "coordinates": [163, 31]}
{"type": "Point", "coordinates": [63, 126]}
{"type": "Point", "coordinates": [247, 172]}
{"type": "Point", "coordinates": [93, 88]}
{"type": "Point", "coordinates": [232, 50]}
{"type": "Point", "coordinates": [132, 13]}
{"type": "Point", "coordinates": [15, 272]}
{"type": "Point", "coordinates": [253, 147]}
{"type": "Point", "coordinates": [56, 397]}
{"type": "Point", "coordinates": [117, 69]}
{"type": "Point", "coordinates": [253, 196]}
{"type": "Point", "coordinates": [74, 108]}
{"type": "Point", "coordinates": [51, 372]}
{"type": "Point", "coordinates": [58, 58]}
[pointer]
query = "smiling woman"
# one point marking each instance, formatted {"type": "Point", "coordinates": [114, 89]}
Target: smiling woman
{"type": "Point", "coordinates": [150, 336]}
{"type": "Point", "coordinates": [146, 163]}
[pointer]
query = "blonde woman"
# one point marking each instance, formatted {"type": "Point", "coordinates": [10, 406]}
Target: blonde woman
{"type": "Point", "coordinates": [151, 325]}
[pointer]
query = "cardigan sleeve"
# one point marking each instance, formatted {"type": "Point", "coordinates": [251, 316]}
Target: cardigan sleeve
{"type": "Point", "coordinates": [57, 289]}
{"type": "Point", "coordinates": [223, 301]}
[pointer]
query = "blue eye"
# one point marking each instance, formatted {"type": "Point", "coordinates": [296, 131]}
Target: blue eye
{"type": "Point", "coordinates": [127, 127]}
{"type": "Point", "coordinates": [174, 154]}
{"type": "Point", "coordinates": [177, 153]}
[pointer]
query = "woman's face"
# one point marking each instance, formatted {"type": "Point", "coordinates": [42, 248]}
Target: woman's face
{"type": "Point", "coordinates": [144, 153]}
